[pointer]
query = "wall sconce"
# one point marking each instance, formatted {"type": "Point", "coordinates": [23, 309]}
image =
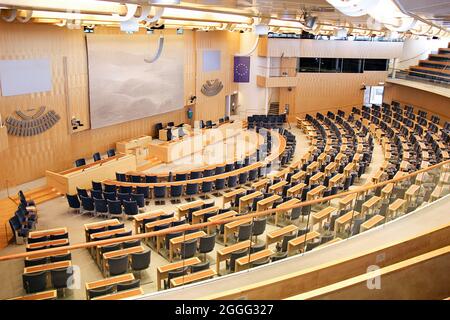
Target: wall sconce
{"type": "Point", "coordinates": [76, 123]}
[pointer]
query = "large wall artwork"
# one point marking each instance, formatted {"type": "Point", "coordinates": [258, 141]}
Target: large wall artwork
{"type": "Point", "coordinates": [124, 87]}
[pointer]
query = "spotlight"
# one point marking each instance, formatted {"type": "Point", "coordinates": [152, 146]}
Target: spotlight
{"type": "Point", "coordinates": [88, 29]}
{"type": "Point", "coordinates": [180, 31]}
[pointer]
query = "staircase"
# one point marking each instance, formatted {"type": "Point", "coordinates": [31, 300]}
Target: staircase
{"type": "Point", "coordinates": [274, 109]}
{"type": "Point", "coordinates": [39, 195]}
{"type": "Point", "coordinates": [435, 68]}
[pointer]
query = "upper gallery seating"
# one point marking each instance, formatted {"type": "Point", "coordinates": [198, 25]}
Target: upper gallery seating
{"type": "Point", "coordinates": [266, 121]}
{"type": "Point", "coordinates": [435, 67]}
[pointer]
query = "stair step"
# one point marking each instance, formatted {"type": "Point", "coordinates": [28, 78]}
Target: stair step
{"type": "Point", "coordinates": [439, 57]}
{"type": "Point", "coordinates": [444, 50]}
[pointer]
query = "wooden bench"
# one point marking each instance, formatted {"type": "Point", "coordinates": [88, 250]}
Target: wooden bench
{"type": "Point", "coordinates": [299, 242]}
{"type": "Point", "coordinates": [43, 244]}
{"type": "Point", "coordinates": [317, 178]}
{"type": "Point", "coordinates": [162, 272]}
{"type": "Point", "coordinates": [344, 219]}
{"type": "Point", "coordinates": [106, 233]}
{"type": "Point", "coordinates": [396, 208]}
{"type": "Point", "coordinates": [387, 190]}
{"type": "Point", "coordinates": [245, 200]}
{"type": "Point", "coordinates": [335, 180]}
{"type": "Point", "coordinates": [225, 253]}
{"type": "Point", "coordinates": [118, 253]}
{"type": "Point", "coordinates": [277, 187]}
{"type": "Point", "coordinates": [48, 266]}
{"type": "Point", "coordinates": [347, 201]}
{"type": "Point", "coordinates": [315, 193]}
{"type": "Point", "coordinates": [99, 224]}
{"type": "Point", "coordinates": [221, 216]}
{"type": "Point", "coordinates": [411, 193]}
{"type": "Point", "coordinates": [298, 176]}
{"type": "Point", "coordinates": [229, 196]}
{"type": "Point", "coordinates": [244, 262]}
{"type": "Point", "coordinates": [41, 255]}
{"type": "Point", "coordinates": [277, 235]}
{"type": "Point", "coordinates": [258, 185]}
{"type": "Point", "coordinates": [108, 282]}
{"type": "Point", "coordinates": [295, 190]}
{"type": "Point", "coordinates": [370, 205]}
{"type": "Point", "coordinates": [47, 233]}
{"type": "Point", "coordinates": [286, 204]}
{"type": "Point", "coordinates": [330, 168]}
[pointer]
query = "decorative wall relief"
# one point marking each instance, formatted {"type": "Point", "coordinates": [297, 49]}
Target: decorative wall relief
{"type": "Point", "coordinates": [212, 87]}
{"type": "Point", "coordinates": [25, 124]}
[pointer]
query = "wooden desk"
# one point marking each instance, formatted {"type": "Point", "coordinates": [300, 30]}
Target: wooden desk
{"type": "Point", "coordinates": [108, 282]}
{"type": "Point", "coordinates": [370, 204]}
{"type": "Point", "coordinates": [58, 242]}
{"type": "Point", "coordinates": [162, 272]}
{"type": "Point", "coordinates": [218, 217]}
{"type": "Point", "coordinates": [229, 196]}
{"type": "Point", "coordinates": [400, 174]}
{"type": "Point", "coordinates": [295, 190]}
{"type": "Point", "coordinates": [298, 176]}
{"type": "Point", "coordinates": [411, 193]}
{"type": "Point", "coordinates": [349, 168]}
{"type": "Point", "coordinates": [395, 208]}
{"type": "Point", "coordinates": [231, 227]}
{"type": "Point", "coordinates": [118, 253]}
{"type": "Point", "coordinates": [176, 242]}
{"type": "Point", "coordinates": [312, 167]}
{"type": "Point", "coordinates": [192, 277]}
{"type": "Point", "coordinates": [347, 201]}
{"type": "Point", "coordinates": [67, 181]}
{"type": "Point", "coordinates": [279, 174]}
{"type": "Point", "coordinates": [299, 242]}
{"type": "Point", "coordinates": [372, 222]}
{"type": "Point", "coordinates": [376, 178]}
{"type": "Point", "coordinates": [44, 295]}
{"type": "Point", "coordinates": [315, 193]}
{"type": "Point", "coordinates": [151, 225]}
{"type": "Point", "coordinates": [319, 176]}
{"type": "Point", "coordinates": [339, 157]}
{"type": "Point", "coordinates": [329, 242]}
{"type": "Point", "coordinates": [387, 190]}
{"type": "Point", "coordinates": [244, 262]}
{"type": "Point", "coordinates": [245, 200]}
{"type": "Point", "coordinates": [286, 204]}
{"type": "Point", "coordinates": [258, 185]}
{"type": "Point", "coordinates": [139, 218]}
{"type": "Point", "coordinates": [47, 255]}
{"type": "Point", "coordinates": [106, 233]}
{"type": "Point", "coordinates": [277, 235]}
{"type": "Point", "coordinates": [264, 204]}
{"type": "Point", "coordinates": [225, 253]}
{"type": "Point", "coordinates": [184, 208]}
{"type": "Point", "coordinates": [99, 224]}
{"type": "Point", "coordinates": [330, 168]}
{"type": "Point", "coordinates": [121, 294]}
{"type": "Point", "coordinates": [336, 179]}
{"type": "Point", "coordinates": [321, 158]}
{"type": "Point", "coordinates": [197, 216]}
{"type": "Point", "coordinates": [343, 220]}
{"type": "Point", "coordinates": [49, 232]}
{"type": "Point", "coordinates": [277, 187]}
{"type": "Point", "coordinates": [48, 266]}
{"type": "Point", "coordinates": [324, 214]}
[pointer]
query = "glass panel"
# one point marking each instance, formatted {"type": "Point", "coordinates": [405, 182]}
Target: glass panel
{"type": "Point", "coordinates": [309, 65]}
{"type": "Point", "coordinates": [376, 64]}
{"type": "Point", "coordinates": [330, 65]}
{"type": "Point", "coordinates": [352, 66]}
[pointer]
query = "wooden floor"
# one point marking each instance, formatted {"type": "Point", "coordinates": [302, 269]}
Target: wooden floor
{"type": "Point", "coordinates": [9, 206]}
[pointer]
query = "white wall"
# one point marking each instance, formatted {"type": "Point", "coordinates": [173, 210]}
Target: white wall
{"type": "Point", "coordinates": [415, 50]}
{"type": "Point", "coordinates": [252, 99]}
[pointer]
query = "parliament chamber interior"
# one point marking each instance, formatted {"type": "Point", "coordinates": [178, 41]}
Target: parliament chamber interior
{"type": "Point", "coordinates": [224, 150]}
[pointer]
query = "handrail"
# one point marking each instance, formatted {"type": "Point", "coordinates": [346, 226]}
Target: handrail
{"type": "Point", "coordinates": [224, 221]}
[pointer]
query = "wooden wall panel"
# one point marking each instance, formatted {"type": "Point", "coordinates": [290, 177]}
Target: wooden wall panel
{"type": "Point", "coordinates": [272, 47]}
{"type": "Point", "coordinates": [318, 92]}
{"type": "Point", "coordinates": [27, 158]}
{"type": "Point", "coordinates": [421, 99]}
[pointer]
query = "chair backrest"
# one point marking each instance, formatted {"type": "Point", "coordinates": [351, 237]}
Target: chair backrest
{"type": "Point", "coordinates": [34, 282]}
{"type": "Point", "coordinates": [96, 156]}
{"type": "Point", "coordinates": [96, 185]}
{"type": "Point", "coordinates": [97, 194]}
{"type": "Point", "coordinates": [93, 293]}
{"type": "Point", "coordinates": [80, 162]}
{"type": "Point", "coordinates": [130, 207]}
{"type": "Point", "coordinates": [176, 273]}
{"type": "Point", "coordinates": [35, 262]}
{"type": "Point", "coordinates": [207, 243]}
{"type": "Point", "coordinates": [87, 203]}
{"type": "Point", "coordinates": [123, 196]}
{"type": "Point", "coordinates": [244, 232]}
{"type": "Point", "coordinates": [100, 205]}
{"type": "Point", "coordinates": [131, 243]}
{"type": "Point", "coordinates": [145, 191]}
{"type": "Point", "coordinates": [257, 247]}
{"type": "Point", "coordinates": [82, 192]}
{"type": "Point", "coordinates": [206, 186]}
{"type": "Point", "coordinates": [111, 152]}
{"type": "Point", "coordinates": [61, 257]}
{"type": "Point", "coordinates": [136, 283]}
{"type": "Point", "coordinates": [219, 184]}
{"type": "Point", "coordinates": [114, 206]}
{"type": "Point", "coordinates": [286, 239]}
{"type": "Point", "coordinates": [232, 181]}
{"type": "Point", "coordinates": [195, 175]}
{"type": "Point", "coordinates": [139, 198]}
{"type": "Point", "coordinates": [123, 234]}
{"type": "Point", "coordinates": [73, 201]}
{"type": "Point", "coordinates": [236, 255]}
{"type": "Point", "coordinates": [40, 239]}
{"type": "Point", "coordinates": [166, 216]}
{"type": "Point", "coordinates": [259, 226]}
{"type": "Point", "coordinates": [191, 188]}
{"type": "Point", "coordinates": [140, 260]}
{"type": "Point", "coordinates": [125, 189]}
{"type": "Point", "coordinates": [110, 247]}
{"type": "Point", "coordinates": [200, 266]}
{"type": "Point", "coordinates": [118, 265]}
{"type": "Point", "coordinates": [176, 191]}
{"type": "Point", "coordinates": [188, 248]}
{"type": "Point", "coordinates": [59, 236]}
{"type": "Point", "coordinates": [159, 191]}
{"type": "Point", "coordinates": [170, 236]}
{"type": "Point", "coordinates": [110, 188]}
{"type": "Point", "coordinates": [261, 262]}
{"type": "Point", "coordinates": [60, 277]}
{"type": "Point", "coordinates": [295, 213]}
